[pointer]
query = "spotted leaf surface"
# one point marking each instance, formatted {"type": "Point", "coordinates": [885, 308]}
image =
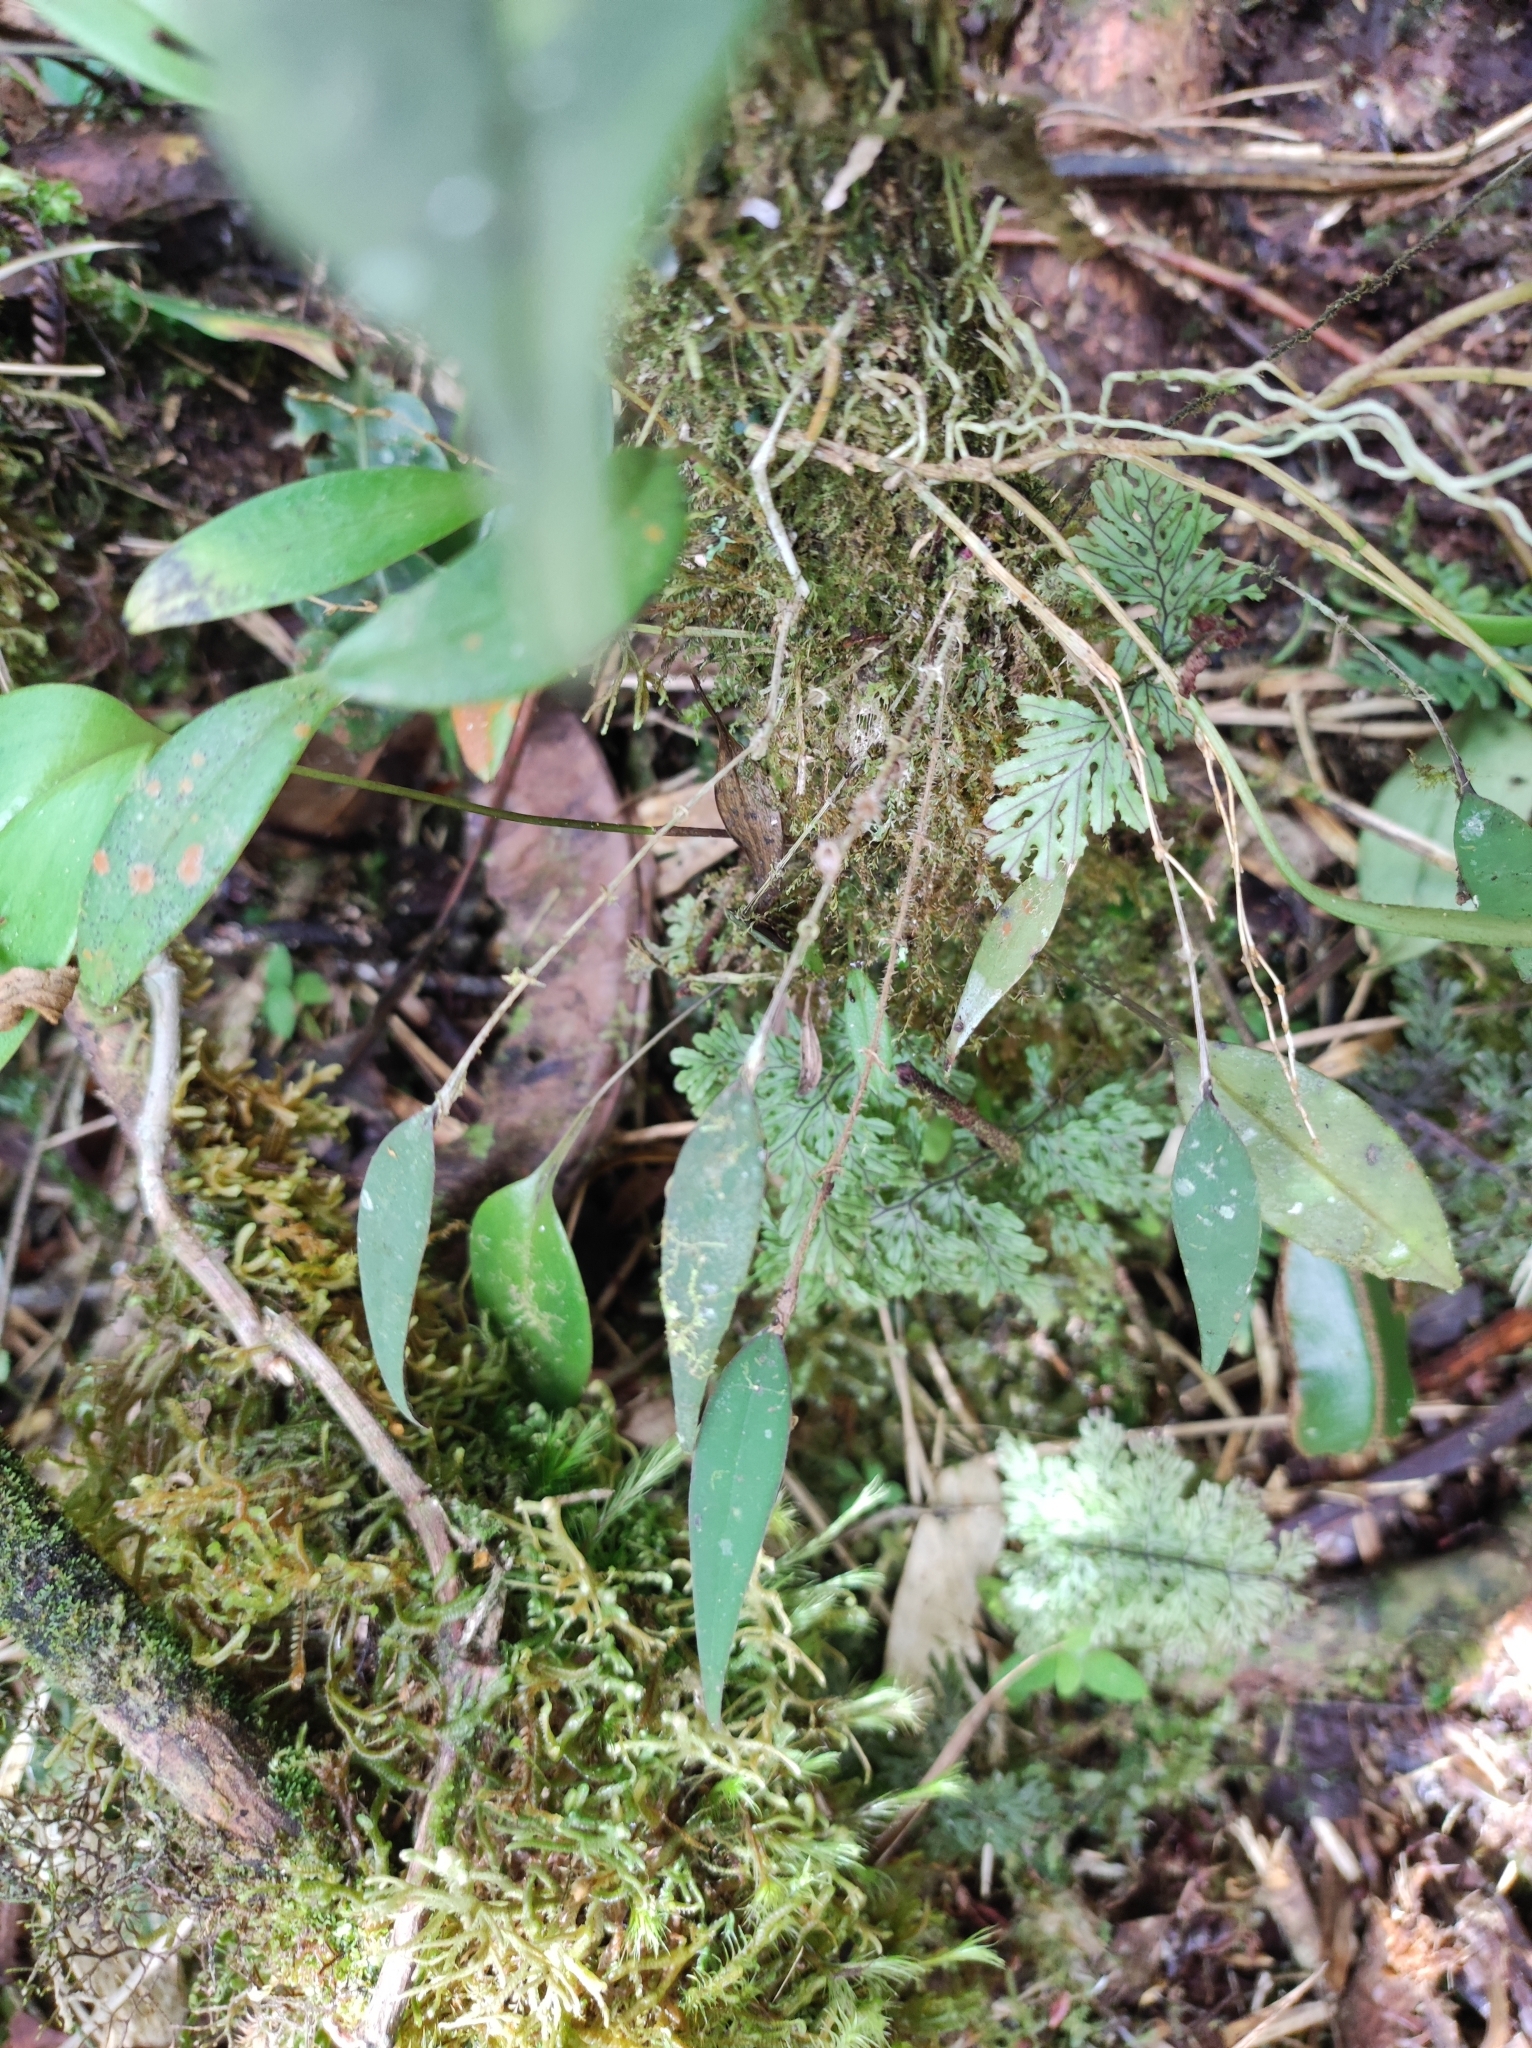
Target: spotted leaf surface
{"type": "Point", "coordinates": [1216, 1207]}
{"type": "Point", "coordinates": [185, 821]}
{"type": "Point", "coordinates": [736, 1473]}
{"type": "Point", "coordinates": [392, 1224]}
{"type": "Point", "coordinates": [712, 1217]}
{"type": "Point", "coordinates": [1352, 1191]}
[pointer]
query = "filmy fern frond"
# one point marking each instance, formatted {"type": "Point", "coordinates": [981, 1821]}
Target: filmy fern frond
{"type": "Point", "coordinates": [1111, 1538]}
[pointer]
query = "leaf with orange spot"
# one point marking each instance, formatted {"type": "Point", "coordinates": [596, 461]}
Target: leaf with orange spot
{"type": "Point", "coordinates": [67, 757]}
{"type": "Point", "coordinates": [483, 734]}
{"type": "Point", "coordinates": [186, 821]}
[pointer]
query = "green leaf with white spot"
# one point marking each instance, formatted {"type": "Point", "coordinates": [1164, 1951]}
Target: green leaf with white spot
{"type": "Point", "coordinates": [1017, 933]}
{"type": "Point", "coordinates": [392, 1224]}
{"type": "Point", "coordinates": [1351, 1191]}
{"type": "Point", "coordinates": [1494, 850]}
{"type": "Point", "coordinates": [712, 1218]}
{"type": "Point", "coordinates": [736, 1474]}
{"type": "Point", "coordinates": [1216, 1208]}
{"type": "Point", "coordinates": [526, 1280]}
{"type": "Point", "coordinates": [1349, 1350]}
{"type": "Point", "coordinates": [481, 628]}
{"type": "Point", "coordinates": [301, 540]}
{"type": "Point", "coordinates": [185, 821]}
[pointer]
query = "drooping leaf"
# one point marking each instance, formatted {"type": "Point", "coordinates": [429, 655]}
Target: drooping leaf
{"type": "Point", "coordinates": [482, 628]}
{"type": "Point", "coordinates": [1494, 850]}
{"type": "Point", "coordinates": [1349, 1348]}
{"type": "Point", "coordinates": [130, 37]}
{"type": "Point", "coordinates": [1216, 1208]}
{"type": "Point", "coordinates": [1111, 1677]}
{"type": "Point", "coordinates": [1496, 748]}
{"type": "Point", "coordinates": [1358, 1195]}
{"type": "Point", "coordinates": [231, 323]}
{"type": "Point", "coordinates": [299, 541]}
{"type": "Point", "coordinates": [526, 1279]}
{"type": "Point", "coordinates": [736, 1472]}
{"type": "Point", "coordinates": [392, 1225]}
{"type": "Point", "coordinates": [51, 731]}
{"type": "Point", "coordinates": [1016, 935]}
{"type": "Point", "coordinates": [712, 1217]}
{"type": "Point", "coordinates": [185, 822]}
{"type": "Point", "coordinates": [484, 179]}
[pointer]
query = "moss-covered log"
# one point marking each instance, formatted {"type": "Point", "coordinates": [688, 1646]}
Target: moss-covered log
{"type": "Point", "coordinates": [95, 1640]}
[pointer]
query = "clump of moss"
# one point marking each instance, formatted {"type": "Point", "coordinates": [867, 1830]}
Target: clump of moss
{"type": "Point", "coordinates": [604, 1861]}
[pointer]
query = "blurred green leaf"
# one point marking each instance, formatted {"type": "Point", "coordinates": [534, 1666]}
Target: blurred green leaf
{"type": "Point", "coordinates": [736, 1474]}
{"type": "Point", "coordinates": [300, 540]}
{"type": "Point", "coordinates": [527, 1281]}
{"type": "Point", "coordinates": [1500, 629]}
{"type": "Point", "coordinates": [1015, 936]}
{"type": "Point", "coordinates": [712, 1217]}
{"type": "Point", "coordinates": [392, 1225]}
{"type": "Point", "coordinates": [1350, 1354]}
{"type": "Point", "coordinates": [229, 323]}
{"type": "Point", "coordinates": [51, 731]}
{"type": "Point", "coordinates": [482, 174]}
{"type": "Point", "coordinates": [1111, 1677]}
{"type": "Point", "coordinates": [1216, 1208]}
{"type": "Point", "coordinates": [1358, 1195]}
{"type": "Point", "coordinates": [184, 823]}
{"type": "Point", "coordinates": [131, 39]}
{"type": "Point", "coordinates": [310, 990]}
{"type": "Point", "coordinates": [482, 628]}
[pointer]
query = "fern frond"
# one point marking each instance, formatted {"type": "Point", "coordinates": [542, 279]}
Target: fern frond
{"type": "Point", "coordinates": [1111, 1538]}
{"type": "Point", "coordinates": [1145, 544]}
{"type": "Point", "coordinates": [1070, 776]}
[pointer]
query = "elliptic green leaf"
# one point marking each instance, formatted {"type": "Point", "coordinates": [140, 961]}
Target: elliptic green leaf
{"type": "Point", "coordinates": [1494, 850]}
{"type": "Point", "coordinates": [231, 323]}
{"type": "Point", "coordinates": [392, 1225]}
{"type": "Point", "coordinates": [481, 628]}
{"type": "Point", "coordinates": [1216, 1208]}
{"type": "Point", "coordinates": [128, 36]}
{"type": "Point", "coordinates": [1350, 1354]}
{"type": "Point", "coordinates": [736, 1473]}
{"type": "Point", "coordinates": [51, 731]}
{"type": "Point", "coordinates": [712, 1216]}
{"type": "Point", "coordinates": [1111, 1677]}
{"type": "Point", "coordinates": [184, 824]}
{"type": "Point", "coordinates": [1358, 1195]}
{"type": "Point", "coordinates": [1039, 1679]}
{"type": "Point", "coordinates": [301, 540]}
{"type": "Point", "coordinates": [526, 1280]}
{"type": "Point", "coordinates": [1017, 933]}
{"type": "Point", "coordinates": [483, 174]}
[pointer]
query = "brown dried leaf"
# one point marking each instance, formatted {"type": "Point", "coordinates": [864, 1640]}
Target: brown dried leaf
{"type": "Point", "coordinates": [48, 990]}
{"type": "Point", "coordinates": [937, 1603]}
{"type": "Point", "coordinates": [569, 1034]}
{"type": "Point", "coordinates": [1391, 2001]}
{"type": "Point", "coordinates": [747, 804]}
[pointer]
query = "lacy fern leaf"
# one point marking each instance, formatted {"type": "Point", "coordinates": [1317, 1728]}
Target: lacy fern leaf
{"type": "Point", "coordinates": [1111, 1538]}
{"type": "Point", "coordinates": [1145, 544]}
{"type": "Point", "coordinates": [1071, 776]}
